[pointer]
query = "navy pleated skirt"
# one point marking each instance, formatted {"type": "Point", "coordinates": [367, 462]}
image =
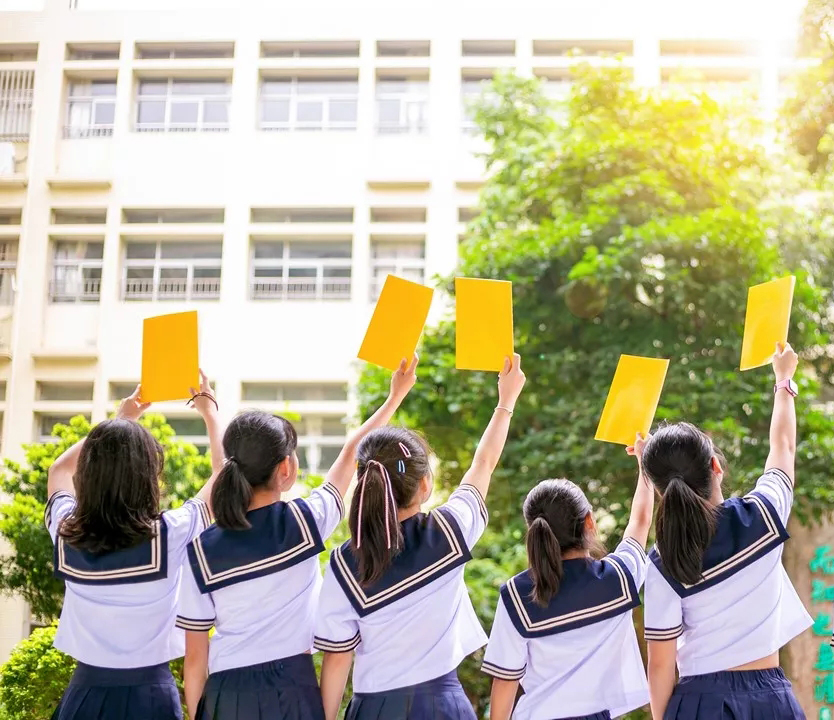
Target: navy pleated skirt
{"type": "Point", "coordinates": [439, 699]}
{"type": "Point", "coordinates": [284, 689]}
{"type": "Point", "coordinates": [735, 695]}
{"type": "Point", "coordinates": [604, 715]}
{"type": "Point", "coordinates": [95, 693]}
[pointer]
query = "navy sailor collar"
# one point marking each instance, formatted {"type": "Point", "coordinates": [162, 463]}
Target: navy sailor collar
{"type": "Point", "coordinates": [281, 535]}
{"type": "Point", "coordinates": [591, 591]}
{"type": "Point", "coordinates": [144, 562]}
{"type": "Point", "coordinates": [748, 529]}
{"type": "Point", "coordinates": [433, 546]}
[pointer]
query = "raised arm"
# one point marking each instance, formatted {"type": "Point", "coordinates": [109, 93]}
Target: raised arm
{"type": "Point", "coordinates": [63, 469]}
{"type": "Point", "coordinates": [204, 403]}
{"type": "Point", "coordinates": [343, 468]}
{"type": "Point", "coordinates": [783, 422]}
{"type": "Point", "coordinates": [510, 382]}
{"type": "Point", "coordinates": [642, 505]}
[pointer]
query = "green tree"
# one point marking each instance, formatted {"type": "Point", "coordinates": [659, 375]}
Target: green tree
{"type": "Point", "coordinates": [630, 221]}
{"type": "Point", "coordinates": [27, 568]}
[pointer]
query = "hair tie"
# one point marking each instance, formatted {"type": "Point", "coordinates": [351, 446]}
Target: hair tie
{"type": "Point", "coordinates": [211, 397]}
{"type": "Point", "coordinates": [389, 494]}
{"type": "Point", "coordinates": [232, 459]}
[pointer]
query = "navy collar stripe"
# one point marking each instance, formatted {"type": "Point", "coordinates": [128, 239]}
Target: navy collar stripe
{"type": "Point", "coordinates": [664, 634]}
{"type": "Point", "coordinates": [142, 563]}
{"type": "Point", "coordinates": [185, 623]}
{"type": "Point", "coordinates": [336, 646]}
{"type": "Point", "coordinates": [455, 553]}
{"type": "Point", "coordinates": [481, 503]}
{"type": "Point", "coordinates": [631, 541]}
{"type": "Point", "coordinates": [308, 542]}
{"type": "Point", "coordinates": [502, 673]}
{"type": "Point", "coordinates": [623, 602]}
{"type": "Point", "coordinates": [205, 513]}
{"type": "Point", "coordinates": [783, 476]}
{"type": "Point", "coordinates": [47, 513]}
{"type": "Point", "coordinates": [337, 496]}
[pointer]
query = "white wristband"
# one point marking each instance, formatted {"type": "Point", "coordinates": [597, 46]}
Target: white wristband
{"type": "Point", "coordinates": [505, 409]}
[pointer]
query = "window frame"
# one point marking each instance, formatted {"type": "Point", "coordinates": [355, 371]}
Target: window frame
{"type": "Point", "coordinates": [155, 284]}
{"type": "Point", "coordinates": [414, 96]}
{"type": "Point", "coordinates": [294, 98]}
{"type": "Point", "coordinates": [400, 265]}
{"type": "Point", "coordinates": [169, 98]}
{"type": "Point", "coordinates": [285, 283]}
{"type": "Point", "coordinates": [87, 290]}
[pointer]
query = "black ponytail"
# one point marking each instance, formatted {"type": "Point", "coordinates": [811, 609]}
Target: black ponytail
{"type": "Point", "coordinates": [387, 454]}
{"type": "Point", "coordinates": [556, 513]}
{"type": "Point", "coordinates": [678, 461]}
{"type": "Point", "coordinates": [255, 443]}
{"type": "Point", "coordinates": [545, 558]}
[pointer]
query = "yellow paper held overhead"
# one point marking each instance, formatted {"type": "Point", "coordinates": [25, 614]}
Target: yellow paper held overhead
{"type": "Point", "coordinates": [170, 358]}
{"type": "Point", "coordinates": [397, 322]}
{"type": "Point", "coordinates": [483, 323]}
{"type": "Point", "coordinates": [767, 320]}
{"type": "Point", "coordinates": [632, 399]}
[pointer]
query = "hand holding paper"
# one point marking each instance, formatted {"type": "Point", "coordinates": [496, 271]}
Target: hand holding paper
{"type": "Point", "coordinates": [170, 365]}
{"type": "Point", "coordinates": [484, 324]}
{"type": "Point", "coordinates": [767, 320]}
{"type": "Point", "coordinates": [632, 399]}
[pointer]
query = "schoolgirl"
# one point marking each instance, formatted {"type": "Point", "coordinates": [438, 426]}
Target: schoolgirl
{"type": "Point", "coordinates": [563, 627]}
{"type": "Point", "coordinates": [395, 594]}
{"type": "Point", "coordinates": [719, 604]}
{"type": "Point", "coordinates": [122, 562]}
{"type": "Point", "coordinates": [254, 576]}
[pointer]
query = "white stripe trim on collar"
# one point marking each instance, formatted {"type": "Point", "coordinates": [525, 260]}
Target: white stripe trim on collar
{"type": "Point", "coordinates": [455, 553]}
{"type": "Point", "coordinates": [623, 600]}
{"type": "Point", "coordinates": [152, 567]}
{"type": "Point", "coordinates": [211, 578]}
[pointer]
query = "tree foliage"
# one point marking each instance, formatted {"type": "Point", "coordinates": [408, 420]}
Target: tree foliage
{"type": "Point", "coordinates": [630, 221]}
{"type": "Point", "coordinates": [27, 568]}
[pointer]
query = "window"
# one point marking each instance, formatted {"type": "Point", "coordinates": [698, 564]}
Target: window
{"type": "Point", "coordinates": [304, 49]}
{"type": "Point", "coordinates": [10, 216]}
{"type": "Point", "coordinates": [300, 270]}
{"type": "Point", "coordinates": [294, 392]}
{"type": "Point", "coordinates": [121, 390]}
{"type": "Point", "coordinates": [301, 215]}
{"type": "Point", "coordinates": [713, 48]}
{"type": "Point", "coordinates": [45, 424]}
{"type": "Point", "coordinates": [8, 267]}
{"type": "Point", "coordinates": [93, 51]}
{"type": "Point", "coordinates": [76, 272]}
{"type": "Point", "coordinates": [487, 48]}
{"type": "Point", "coordinates": [402, 104]}
{"type": "Point", "coordinates": [190, 426]}
{"type": "Point", "coordinates": [79, 216]}
{"type": "Point", "coordinates": [583, 48]}
{"type": "Point", "coordinates": [2, 391]}
{"type": "Point", "coordinates": [472, 85]}
{"type": "Point", "coordinates": [172, 270]}
{"type": "Point", "coordinates": [91, 108]}
{"type": "Point", "coordinates": [403, 48]}
{"type": "Point", "coordinates": [404, 259]}
{"type": "Point", "coordinates": [321, 438]}
{"type": "Point", "coordinates": [178, 104]}
{"type": "Point", "coordinates": [398, 215]}
{"type": "Point", "coordinates": [556, 83]}
{"type": "Point", "coordinates": [309, 103]}
{"type": "Point", "coordinates": [18, 53]}
{"type": "Point", "coordinates": [184, 51]}
{"type": "Point", "coordinates": [65, 391]}
{"type": "Point", "coordinates": [16, 88]}
{"type": "Point", "coordinates": [151, 216]}
{"type": "Point", "coordinates": [466, 214]}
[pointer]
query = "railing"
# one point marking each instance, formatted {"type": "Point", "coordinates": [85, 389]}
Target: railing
{"type": "Point", "coordinates": [16, 91]}
{"type": "Point", "coordinates": [301, 289]}
{"type": "Point", "coordinates": [148, 289]}
{"type": "Point", "coordinates": [190, 127]}
{"type": "Point", "coordinates": [65, 291]}
{"type": "Point", "coordinates": [75, 132]}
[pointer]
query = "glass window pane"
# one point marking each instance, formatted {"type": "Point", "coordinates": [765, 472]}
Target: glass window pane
{"type": "Point", "coordinates": [105, 113]}
{"type": "Point", "coordinates": [134, 273]}
{"type": "Point", "coordinates": [191, 250]}
{"type": "Point", "coordinates": [207, 273]}
{"type": "Point", "coordinates": [104, 88]}
{"type": "Point", "coordinates": [173, 273]}
{"type": "Point", "coordinates": [80, 113]}
{"type": "Point", "coordinates": [94, 251]}
{"type": "Point", "coordinates": [91, 273]}
{"type": "Point", "coordinates": [389, 111]}
{"type": "Point", "coordinates": [336, 272]}
{"type": "Point", "coordinates": [343, 110]}
{"type": "Point", "coordinates": [143, 251]}
{"type": "Point", "coordinates": [151, 111]}
{"type": "Point", "coordinates": [310, 111]}
{"type": "Point", "coordinates": [327, 456]}
{"type": "Point", "coordinates": [216, 111]}
{"type": "Point", "coordinates": [269, 250]}
{"type": "Point", "coordinates": [184, 112]}
{"type": "Point", "coordinates": [259, 392]}
{"type": "Point", "coordinates": [199, 87]}
{"type": "Point", "coordinates": [275, 110]}
{"type": "Point", "coordinates": [79, 90]}
{"type": "Point", "coordinates": [332, 426]}
{"type": "Point", "coordinates": [153, 87]}
{"type": "Point", "coordinates": [320, 250]}
{"type": "Point", "coordinates": [194, 427]}
{"type": "Point", "coordinates": [276, 87]}
{"type": "Point", "coordinates": [301, 272]}
{"type": "Point", "coordinates": [269, 273]}
{"type": "Point", "coordinates": [303, 463]}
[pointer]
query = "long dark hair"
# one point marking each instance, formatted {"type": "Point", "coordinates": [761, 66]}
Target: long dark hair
{"type": "Point", "coordinates": [116, 488]}
{"type": "Point", "coordinates": [678, 461]}
{"type": "Point", "coordinates": [254, 444]}
{"type": "Point", "coordinates": [555, 512]}
{"type": "Point", "coordinates": [404, 456]}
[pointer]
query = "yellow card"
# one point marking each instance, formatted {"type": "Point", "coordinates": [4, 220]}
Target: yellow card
{"type": "Point", "coordinates": [767, 320]}
{"type": "Point", "coordinates": [632, 399]}
{"type": "Point", "coordinates": [397, 322]}
{"type": "Point", "coordinates": [170, 364]}
{"type": "Point", "coordinates": [483, 324]}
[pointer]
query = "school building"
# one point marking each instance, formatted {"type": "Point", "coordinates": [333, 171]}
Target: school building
{"type": "Point", "coordinates": [268, 164]}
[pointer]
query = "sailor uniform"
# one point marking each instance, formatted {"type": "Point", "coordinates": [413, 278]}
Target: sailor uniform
{"type": "Point", "coordinates": [259, 589]}
{"type": "Point", "coordinates": [745, 608]}
{"type": "Point", "coordinates": [119, 614]}
{"type": "Point", "coordinates": [412, 628]}
{"type": "Point", "coordinates": [579, 656]}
